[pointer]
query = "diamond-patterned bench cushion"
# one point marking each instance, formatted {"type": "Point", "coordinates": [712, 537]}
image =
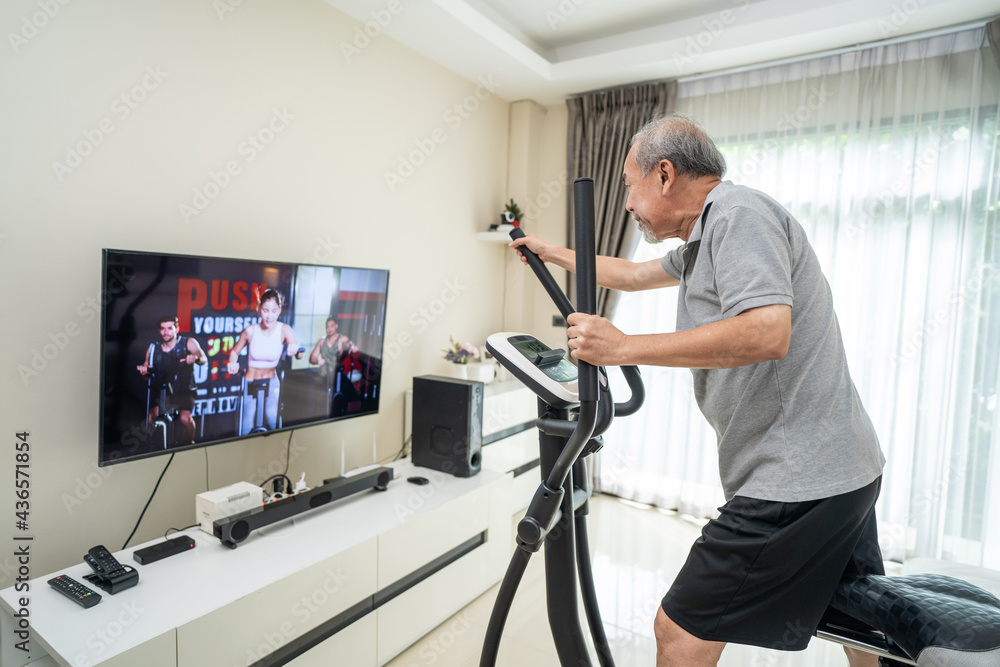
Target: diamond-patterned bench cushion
{"type": "Point", "coordinates": [939, 620]}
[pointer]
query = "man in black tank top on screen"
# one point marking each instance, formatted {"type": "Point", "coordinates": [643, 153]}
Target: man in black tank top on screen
{"type": "Point", "coordinates": [170, 362]}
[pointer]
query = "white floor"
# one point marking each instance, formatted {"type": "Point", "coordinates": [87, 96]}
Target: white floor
{"type": "Point", "coordinates": [636, 552]}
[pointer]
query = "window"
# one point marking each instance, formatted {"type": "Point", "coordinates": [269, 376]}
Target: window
{"type": "Point", "coordinates": [890, 159]}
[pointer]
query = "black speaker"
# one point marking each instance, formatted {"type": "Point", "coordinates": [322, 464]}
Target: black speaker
{"type": "Point", "coordinates": [448, 424]}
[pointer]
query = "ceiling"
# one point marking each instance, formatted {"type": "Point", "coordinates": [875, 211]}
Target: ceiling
{"type": "Point", "coordinates": [548, 50]}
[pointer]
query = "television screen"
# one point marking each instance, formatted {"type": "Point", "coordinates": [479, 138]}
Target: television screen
{"type": "Point", "coordinates": [199, 350]}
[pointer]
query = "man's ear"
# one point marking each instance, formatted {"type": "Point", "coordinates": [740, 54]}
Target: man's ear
{"type": "Point", "coordinates": [665, 172]}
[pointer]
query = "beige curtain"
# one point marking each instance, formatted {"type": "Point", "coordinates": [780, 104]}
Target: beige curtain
{"type": "Point", "coordinates": [600, 126]}
{"type": "Point", "coordinates": [993, 36]}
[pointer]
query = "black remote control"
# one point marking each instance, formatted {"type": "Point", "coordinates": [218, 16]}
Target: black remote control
{"type": "Point", "coordinates": [89, 560]}
{"type": "Point", "coordinates": [104, 563]}
{"type": "Point", "coordinates": [75, 591]}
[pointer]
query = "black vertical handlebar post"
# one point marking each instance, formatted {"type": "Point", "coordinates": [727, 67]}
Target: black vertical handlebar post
{"type": "Point", "coordinates": [586, 272]}
{"type": "Point", "coordinates": [586, 287]}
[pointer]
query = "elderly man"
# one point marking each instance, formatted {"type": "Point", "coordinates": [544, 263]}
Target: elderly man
{"type": "Point", "coordinates": [799, 459]}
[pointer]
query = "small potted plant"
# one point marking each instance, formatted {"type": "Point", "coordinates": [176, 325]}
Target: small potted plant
{"type": "Point", "coordinates": [465, 364]}
{"type": "Point", "coordinates": [509, 218]}
{"type": "Point", "coordinates": [512, 214]}
{"type": "Point", "coordinates": [460, 353]}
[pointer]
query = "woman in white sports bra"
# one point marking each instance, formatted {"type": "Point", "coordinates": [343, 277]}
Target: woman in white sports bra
{"type": "Point", "coordinates": [265, 342]}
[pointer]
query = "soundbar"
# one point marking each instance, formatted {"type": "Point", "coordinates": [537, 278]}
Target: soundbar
{"type": "Point", "coordinates": [234, 529]}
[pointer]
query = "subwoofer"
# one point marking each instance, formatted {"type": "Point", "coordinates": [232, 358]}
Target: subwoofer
{"type": "Point", "coordinates": [448, 424]}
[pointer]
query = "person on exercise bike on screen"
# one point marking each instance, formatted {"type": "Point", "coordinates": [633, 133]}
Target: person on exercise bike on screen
{"type": "Point", "coordinates": [265, 342]}
{"type": "Point", "coordinates": [799, 459]}
{"type": "Point", "coordinates": [171, 360]}
{"type": "Point", "coordinates": [331, 349]}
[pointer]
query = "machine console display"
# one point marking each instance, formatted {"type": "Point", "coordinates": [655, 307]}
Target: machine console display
{"type": "Point", "coordinates": [550, 375]}
{"type": "Point", "coordinates": [530, 347]}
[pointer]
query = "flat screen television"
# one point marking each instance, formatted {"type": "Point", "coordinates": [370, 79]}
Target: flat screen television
{"type": "Point", "coordinates": [197, 351]}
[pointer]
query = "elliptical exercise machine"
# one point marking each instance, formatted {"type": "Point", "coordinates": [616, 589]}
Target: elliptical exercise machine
{"type": "Point", "coordinates": [574, 409]}
{"type": "Point", "coordinates": [926, 620]}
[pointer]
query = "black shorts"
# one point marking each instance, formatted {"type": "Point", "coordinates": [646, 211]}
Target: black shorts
{"type": "Point", "coordinates": [180, 401]}
{"type": "Point", "coordinates": [764, 572]}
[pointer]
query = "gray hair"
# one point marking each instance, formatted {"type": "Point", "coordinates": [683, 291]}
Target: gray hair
{"type": "Point", "coordinates": [682, 140]}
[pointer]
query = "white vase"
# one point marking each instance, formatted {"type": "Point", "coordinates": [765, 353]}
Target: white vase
{"type": "Point", "coordinates": [460, 371]}
{"type": "Point", "coordinates": [483, 371]}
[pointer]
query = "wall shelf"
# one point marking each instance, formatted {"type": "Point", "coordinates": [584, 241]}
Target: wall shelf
{"type": "Point", "coordinates": [494, 237]}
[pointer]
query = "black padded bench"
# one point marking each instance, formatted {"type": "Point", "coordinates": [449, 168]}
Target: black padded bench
{"type": "Point", "coordinates": [928, 620]}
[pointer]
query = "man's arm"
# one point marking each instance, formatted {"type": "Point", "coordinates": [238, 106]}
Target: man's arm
{"type": "Point", "coordinates": [352, 347]}
{"type": "Point", "coordinates": [195, 351]}
{"type": "Point", "coordinates": [755, 335]}
{"type": "Point", "coordinates": [612, 272]}
{"type": "Point", "coordinates": [144, 368]}
{"type": "Point", "coordinates": [314, 357]}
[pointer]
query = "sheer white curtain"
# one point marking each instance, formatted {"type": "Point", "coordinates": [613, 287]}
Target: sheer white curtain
{"type": "Point", "coordinates": [890, 159]}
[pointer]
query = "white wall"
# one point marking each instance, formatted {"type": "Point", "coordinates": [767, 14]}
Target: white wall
{"type": "Point", "coordinates": [538, 182]}
{"type": "Point", "coordinates": [318, 191]}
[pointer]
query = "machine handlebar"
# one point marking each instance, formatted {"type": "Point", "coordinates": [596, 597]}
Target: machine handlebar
{"type": "Point", "coordinates": [583, 195]}
{"type": "Point", "coordinates": [548, 282]}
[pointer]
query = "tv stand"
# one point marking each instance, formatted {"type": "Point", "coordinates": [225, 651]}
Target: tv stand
{"type": "Point", "coordinates": [353, 584]}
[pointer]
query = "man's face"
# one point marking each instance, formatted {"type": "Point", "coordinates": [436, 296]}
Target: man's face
{"type": "Point", "coordinates": [168, 331]}
{"type": "Point", "coordinates": [649, 201]}
{"type": "Point", "coordinates": [331, 328]}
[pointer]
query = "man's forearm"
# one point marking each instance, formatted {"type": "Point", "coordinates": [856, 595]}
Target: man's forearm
{"type": "Point", "coordinates": [612, 272]}
{"type": "Point", "coordinates": [561, 257]}
{"type": "Point", "coordinates": [748, 338]}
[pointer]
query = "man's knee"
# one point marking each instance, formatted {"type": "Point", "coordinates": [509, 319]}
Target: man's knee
{"type": "Point", "coordinates": [663, 627]}
{"type": "Point", "coordinates": [668, 633]}
{"type": "Point", "coordinates": [675, 641]}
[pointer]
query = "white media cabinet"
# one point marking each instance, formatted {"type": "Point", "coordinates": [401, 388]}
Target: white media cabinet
{"type": "Point", "coordinates": [351, 583]}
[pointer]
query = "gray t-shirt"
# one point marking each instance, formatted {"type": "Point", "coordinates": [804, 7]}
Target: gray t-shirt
{"type": "Point", "coordinates": [789, 430]}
